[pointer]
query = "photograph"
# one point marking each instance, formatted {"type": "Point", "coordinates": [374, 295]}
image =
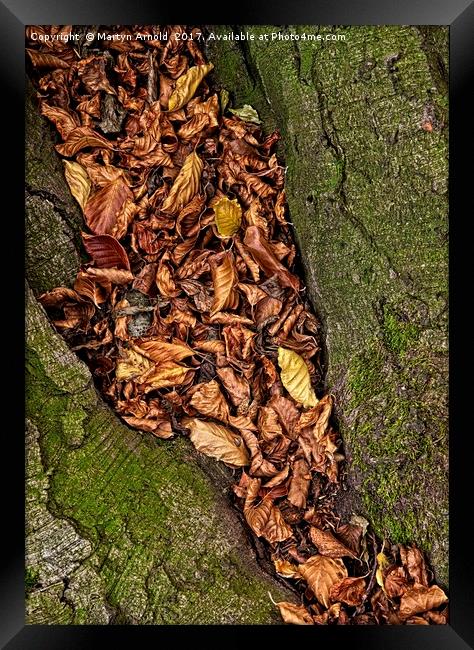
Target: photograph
{"type": "Point", "coordinates": [236, 258]}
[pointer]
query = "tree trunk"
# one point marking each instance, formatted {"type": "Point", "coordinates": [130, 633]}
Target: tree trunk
{"type": "Point", "coordinates": [121, 527]}
{"type": "Point", "coordinates": [364, 138]}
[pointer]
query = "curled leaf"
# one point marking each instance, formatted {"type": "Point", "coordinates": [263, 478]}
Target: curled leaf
{"type": "Point", "coordinates": [295, 614]}
{"type": "Point", "coordinates": [421, 599]}
{"type": "Point", "coordinates": [187, 85]}
{"type": "Point", "coordinates": [328, 545]}
{"type": "Point", "coordinates": [185, 186]}
{"type": "Point", "coordinates": [295, 377]}
{"type": "Point", "coordinates": [321, 573]}
{"type": "Point", "coordinates": [224, 278]}
{"type": "Point", "coordinates": [349, 590]}
{"type": "Point", "coordinates": [218, 442]}
{"type": "Point", "coordinates": [228, 216]}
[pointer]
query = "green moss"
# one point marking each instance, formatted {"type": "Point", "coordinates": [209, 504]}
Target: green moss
{"type": "Point", "coordinates": [31, 578]}
{"type": "Point", "coordinates": [364, 375]}
{"type": "Point", "coordinates": [398, 334]}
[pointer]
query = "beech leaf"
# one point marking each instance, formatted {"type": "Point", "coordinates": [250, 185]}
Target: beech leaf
{"type": "Point", "coordinates": [295, 377]}
{"type": "Point", "coordinates": [218, 442]}
{"type": "Point", "coordinates": [187, 85]}
{"type": "Point", "coordinates": [185, 186]}
{"type": "Point", "coordinates": [228, 216]}
{"type": "Point", "coordinates": [321, 573]}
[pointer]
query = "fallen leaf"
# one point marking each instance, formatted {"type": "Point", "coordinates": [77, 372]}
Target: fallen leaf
{"type": "Point", "coordinates": [321, 573]}
{"type": "Point", "coordinates": [80, 138]}
{"type": "Point", "coordinates": [185, 186]}
{"type": "Point", "coordinates": [106, 251]}
{"type": "Point", "coordinates": [382, 564]}
{"type": "Point", "coordinates": [187, 85]}
{"type": "Point", "coordinates": [421, 599]}
{"type": "Point", "coordinates": [228, 216]}
{"type": "Point", "coordinates": [328, 545]}
{"type": "Point", "coordinates": [224, 279]}
{"type": "Point", "coordinates": [412, 558]}
{"type": "Point", "coordinates": [295, 377]}
{"type": "Point", "coordinates": [247, 114]}
{"type": "Point", "coordinates": [103, 208]}
{"type": "Point", "coordinates": [286, 569]}
{"type": "Point", "coordinates": [349, 590]}
{"type": "Point", "coordinates": [209, 401]}
{"type": "Point", "coordinates": [218, 442]}
{"type": "Point", "coordinates": [258, 247]}
{"type": "Point", "coordinates": [131, 364]}
{"type": "Point", "coordinates": [295, 614]}
{"type": "Point", "coordinates": [299, 485]}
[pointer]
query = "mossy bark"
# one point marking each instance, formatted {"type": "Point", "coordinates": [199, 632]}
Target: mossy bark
{"type": "Point", "coordinates": [364, 138]}
{"type": "Point", "coordinates": [121, 528]}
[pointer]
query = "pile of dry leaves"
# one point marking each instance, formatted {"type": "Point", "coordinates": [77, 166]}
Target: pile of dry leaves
{"type": "Point", "coordinates": [191, 317]}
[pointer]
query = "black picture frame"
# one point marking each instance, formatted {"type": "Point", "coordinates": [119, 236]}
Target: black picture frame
{"type": "Point", "coordinates": [459, 15]}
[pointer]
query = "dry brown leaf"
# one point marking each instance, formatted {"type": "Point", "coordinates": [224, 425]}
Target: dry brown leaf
{"type": "Point", "coordinates": [395, 582]}
{"type": "Point", "coordinates": [414, 562]}
{"type": "Point", "coordinates": [228, 216]}
{"type": "Point", "coordinates": [106, 277]}
{"type": "Point", "coordinates": [260, 250]}
{"type": "Point", "coordinates": [349, 590]}
{"type": "Point", "coordinates": [187, 85]}
{"type": "Point", "coordinates": [106, 251]}
{"type": "Point", "coordinates": [46, 60]}
{"type": "Point", "coordinates": [159, 428]}
{"type": "Point", "coordinates": [185, 186]}
{"type": "Point", "coordinates": [421, 599]}
{"type": "Point", "coordinates": [264, 518]}
{"type": "Point", "coordinates": [295, 377]}
{"type": "Point", "coordinates": [80, 138]}
{"type": "Point", "coordinates": [321, 573]}
{"type": "Point", "coordinates": [328, 545]}
{"type": "Point", "coordinates": [209, 401]}
{"type": "Point", "coordinates": [237, 387]}
{"type": "Point", "coordinates": [224, 279]}
{"type": "Point", "coordinates": [295, 614]}
{"type": "Point", "coordinates": [218, 442]}
{"type": "Point", "coordinates": [299, 485]}
{"type": "Point", "coordinates": [161, 351]}
{"type": "Point", "coordinates": [103, 208]}
{"type": "Point", "coordinates": [286, 569]}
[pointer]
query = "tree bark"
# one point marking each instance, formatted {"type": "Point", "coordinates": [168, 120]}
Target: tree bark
{"type": "Point", "coordinates": [121, 528]}
{"type": "Point", "coordinates": [364, 138]}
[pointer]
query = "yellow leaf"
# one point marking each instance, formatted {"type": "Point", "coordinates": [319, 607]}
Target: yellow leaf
{"type": "Point", "coordinates": [78, 181]}
{"type": "Point", "coordinates": [321, 573]}
{"type": "Point", "coordinates": [295, 377]}
{"type": "Point", "coordinates": [217, 441]}
{"type": "Point", "coordinates": [185, 185]}
{"type": "Point", "coordinates": [228, 216]}
{"type": "Point", "coordinates": [382, 564]}
{"type": "Point", "coordinates": [187, 85]}
{"type": "Point", "coordinates": [132, 364]}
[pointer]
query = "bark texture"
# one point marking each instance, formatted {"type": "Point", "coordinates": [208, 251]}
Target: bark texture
{"type": "Point", "coordinates": [121, 528]}
{"type": "Point", "coordinates": [364, 138]}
